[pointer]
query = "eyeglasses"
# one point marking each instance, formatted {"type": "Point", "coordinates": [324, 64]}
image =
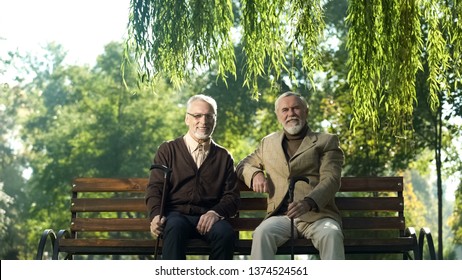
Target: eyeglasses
{"type": "Point", "coordinates": [199, 116]}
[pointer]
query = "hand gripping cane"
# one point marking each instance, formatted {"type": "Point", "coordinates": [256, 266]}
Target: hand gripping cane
{"type": "Point", "coordinates": [294, 180]}
{"type": "Point", "coordinates": [167, 171]}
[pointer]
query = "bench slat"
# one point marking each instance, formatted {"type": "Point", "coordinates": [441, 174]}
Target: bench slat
{"type": "Point", "coordinates": [110, 224]}
{"type": "Point", "coordinates": [250, 204]}
{"type": "Point", "coordinates": [370, 203]}
{"type": "Point", "coordinates": [348, 184]}
{"type": "Point", "coordinates": [150, 243]}
{"type": "Point", "coordinates": [247, 204]}
{"type": "Point", "coordinates": [142, 224]}
{"type": "Point", "coordinates": [373, 223]}
{"type": "Point", "coordinates": [110, 185]}
{"type": "Point", "coordinates": [108, 205]}
{"type": "Point", "coordinates": [374, 184]}
{"type": "Point", "coordinates": [301, 246]}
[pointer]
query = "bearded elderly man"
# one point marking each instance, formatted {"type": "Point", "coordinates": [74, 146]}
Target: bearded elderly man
{"type": "Point", "coordinates": [202, 191]}
{"type": "Point", "coordinates": [296, 151]}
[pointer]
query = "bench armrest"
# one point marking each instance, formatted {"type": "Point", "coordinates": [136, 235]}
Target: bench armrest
{"type": "Point", "coordinates": [47, 234]}
{"type": "Point", "coordinates": [411, 232]}
{"type": "Point", "coordinates": [425, 234]}
{"type": "Point", "coordinates": [63, 233]}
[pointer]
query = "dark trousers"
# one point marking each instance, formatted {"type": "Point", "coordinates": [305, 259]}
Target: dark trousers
{"type": "Point", "coordinates": [179, 228]}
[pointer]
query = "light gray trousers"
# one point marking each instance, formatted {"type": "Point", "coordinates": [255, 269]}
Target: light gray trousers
{"type": "Point", "coordinates": [326, 234]}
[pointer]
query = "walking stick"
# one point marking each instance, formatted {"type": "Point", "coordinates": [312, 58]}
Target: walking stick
{"type": "Point", "coordinates": [293, 180]}
{"type": "Point", "coordinates": [167, 171]}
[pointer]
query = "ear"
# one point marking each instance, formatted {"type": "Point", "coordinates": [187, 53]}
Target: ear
{"type": "Point", "coordinates": [186, 120]}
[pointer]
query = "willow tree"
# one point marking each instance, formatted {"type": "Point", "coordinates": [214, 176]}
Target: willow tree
{"type": "Point", "coordinates": [176, 38]}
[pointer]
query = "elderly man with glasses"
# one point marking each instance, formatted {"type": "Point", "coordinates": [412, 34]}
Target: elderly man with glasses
{"type": "Point", "coordinates": [201, 191]}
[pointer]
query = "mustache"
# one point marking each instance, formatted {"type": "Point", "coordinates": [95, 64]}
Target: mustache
{"type": "Point", "coordinates": [292, 119]}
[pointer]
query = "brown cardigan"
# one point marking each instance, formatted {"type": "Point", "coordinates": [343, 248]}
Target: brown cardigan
{"type": "Point", "coordinates": [191, 190]}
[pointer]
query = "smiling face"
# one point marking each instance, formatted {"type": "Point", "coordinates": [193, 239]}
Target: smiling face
{"type": "Point", "coordinates": [201, 120]}
{"type": "Point", "coordinates": [291, 113]}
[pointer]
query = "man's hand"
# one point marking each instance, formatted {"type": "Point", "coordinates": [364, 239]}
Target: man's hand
{"type": "Point", "coordinates": [157, 226]}
{"type": "Point", "coordinates": [259, 183]}
{"type": "Point", "coordinates": [206, 222]}
{"type": "Point", "coordinates": [298, 208]}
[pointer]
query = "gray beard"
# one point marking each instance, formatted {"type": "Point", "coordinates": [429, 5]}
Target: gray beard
{"type": "Point", "coordinates": [292, 130]}
{"type": "Point", "coordinates": [201, 136]}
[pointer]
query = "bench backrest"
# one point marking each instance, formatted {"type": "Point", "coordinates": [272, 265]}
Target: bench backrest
{"type": "Point", "coordinates": [115, 207]}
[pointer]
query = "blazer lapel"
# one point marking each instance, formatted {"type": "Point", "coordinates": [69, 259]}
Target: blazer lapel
{"type": "Point", "coordinates": [279, 151]}
{"type": "Point", "coordinates": [308, 142]}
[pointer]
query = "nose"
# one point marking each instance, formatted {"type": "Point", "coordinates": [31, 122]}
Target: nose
{"type": "Point", "coordinates": [291, 111]}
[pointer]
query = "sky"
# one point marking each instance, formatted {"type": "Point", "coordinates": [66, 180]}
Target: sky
{"type": "Point", "coordinates": [82, 27]}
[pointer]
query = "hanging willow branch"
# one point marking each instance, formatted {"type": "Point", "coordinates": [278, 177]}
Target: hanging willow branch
{"type": "Point", "coordinates": [173, 37]}
{"type": "Point", "coordinates": [385, 45]}
{"type": "Point", "coordinates": [263, 38]}
{"type": "Point", "coordinates": [403, 41]}
{"type": "Point", "coordinates": [456, 40]}
{"type": "Point", "coordinates": [365, 44]}
{"type": "Point", "coordinates": [309, 28]}
{"type": "Point", "coordinates": [437, 49]}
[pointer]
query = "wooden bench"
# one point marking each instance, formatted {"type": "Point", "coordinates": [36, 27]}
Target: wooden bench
{"type": "Point", "coordinates": [109, 217]}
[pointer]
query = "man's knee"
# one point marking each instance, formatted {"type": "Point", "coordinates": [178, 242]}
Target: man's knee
{"type": "Point", "coordinates": [223, 230]}
{"type": "Point", "coordinates": [330, 237]}
{"type": "Point", "coordinates": [259, 232]}
{"type": "Point", "coordinates": [177, 224]}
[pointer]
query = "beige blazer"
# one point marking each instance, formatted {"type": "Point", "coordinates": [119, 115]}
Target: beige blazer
{"type": "Point", "coordinates": [319, 158]}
